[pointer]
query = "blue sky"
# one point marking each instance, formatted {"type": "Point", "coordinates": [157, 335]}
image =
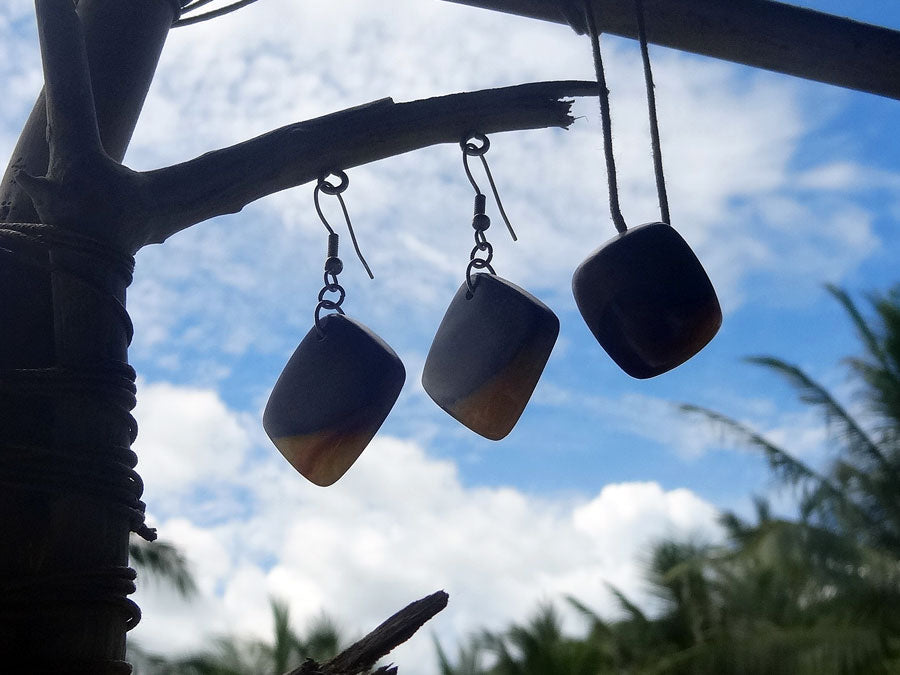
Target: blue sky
{"type": "Point", "coordinates": [779, 185]}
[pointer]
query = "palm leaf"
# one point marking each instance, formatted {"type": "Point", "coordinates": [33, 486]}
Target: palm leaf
{"type": "Point", "coordinates": [811, 392]}
{"type": "Point", "coordinates": [633, 611]}
{"type": "Point", "coordinates": [322, 640]}
{"type": "Point", "coordinates": [163, 562]}
{"type": "Point", "coordinates": [865, 332]}
{"type": "Point", "coordinates": [786, 467]}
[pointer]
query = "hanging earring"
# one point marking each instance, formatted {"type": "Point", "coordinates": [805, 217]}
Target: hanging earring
{"type": "Point", "coordinates": [340, 383]}
{"type": "Point", "coordinates": [495, 338]}
{"type": "Point", "coordinates": [644, 294]}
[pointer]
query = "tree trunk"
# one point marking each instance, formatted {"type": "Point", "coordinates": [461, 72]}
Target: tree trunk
{"type": "Point", "coordinates": [68, 497]}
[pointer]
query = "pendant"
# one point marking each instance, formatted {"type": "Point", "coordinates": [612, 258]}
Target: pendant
{"type": "Point", "coordinates": [333, 395]}
{"type": "Point", "coordinates": [488, 354]}
{"type": "Point", "coordinates": [647, 299]}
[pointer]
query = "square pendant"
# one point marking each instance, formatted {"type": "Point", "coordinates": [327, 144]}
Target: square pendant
{"type": "Point", "coordinates": [331, 398]}
{"type": "Point", "coordinates": [488, 354]}
{"type": "Point", "coordinates": [647, 299]}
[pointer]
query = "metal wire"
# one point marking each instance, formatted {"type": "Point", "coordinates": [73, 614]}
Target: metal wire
{"type": "Point", "coordinates": [480, 222]}
{"type": "Point", "coordinates": [471, 150]}
{"type": "Point", "coordinates": [324, 186]}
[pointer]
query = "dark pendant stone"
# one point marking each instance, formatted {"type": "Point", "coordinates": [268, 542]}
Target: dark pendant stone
{"type": "Point", "coordinates": [647, 299]}
{"type": "Point", "coordinates": [488, 354]}
{"type": "Point", "coordinates": [332, 397]}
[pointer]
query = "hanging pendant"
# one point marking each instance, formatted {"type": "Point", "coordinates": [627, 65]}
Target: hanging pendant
{"type": "Point", "coordinates": [488, 354]}
{"type": "Point", "coordinates": [333, 395]}
{"type": "Point", "coordinates": [647, 299]}
{"type": "Point", "coordinates": [643, 294]}
{"type": "Point", "coordinates": [341, 381]}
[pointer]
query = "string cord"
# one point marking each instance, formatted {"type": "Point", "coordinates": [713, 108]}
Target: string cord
{"type": "Point", "coordinates": [606, 120]}
{"type": "Point", "coordinates": [654, 123]}
{"type": "Point", "coordinates": [105, 471]}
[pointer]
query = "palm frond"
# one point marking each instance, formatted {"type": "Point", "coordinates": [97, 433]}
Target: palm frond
{"type": "Point", "coordinates": [786, 466]}
{"type": "Point", "coordinates": [632, 610]}
{"type": "Point", "coordinates": [163, 562]}
{"type": "Point", "coordinates": [856, 440]}
{"type": "Point", "coordinates": [864, 330]}
{"type": "Point", "coordinates": [322, 640]}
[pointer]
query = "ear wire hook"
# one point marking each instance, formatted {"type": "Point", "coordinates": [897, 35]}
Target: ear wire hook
{"type": "Point", "coordinates": [330, 189]}
{"type": "Point", "coordinates": [470, 149]}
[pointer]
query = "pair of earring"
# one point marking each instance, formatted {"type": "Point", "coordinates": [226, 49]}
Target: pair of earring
{"type": "Point", "coordinates": [341, 381]}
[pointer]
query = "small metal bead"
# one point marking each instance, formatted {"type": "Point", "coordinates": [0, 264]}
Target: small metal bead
{"type": "Point", "coordinates": [481, 222]}
{"type": "Point", "coordinates": [333, 241]}
{"type": "Point", "coordinates": [480, 203]}
{"type": "Point", "coordinates": [334, 265]}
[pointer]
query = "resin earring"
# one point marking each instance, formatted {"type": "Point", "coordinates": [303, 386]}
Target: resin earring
{"type": "Point", "coordinates": [643, 294]}
{"type": "Point", "coordinates": [340, 383]}
{"type": "Point", "coordinates": [495, 338]}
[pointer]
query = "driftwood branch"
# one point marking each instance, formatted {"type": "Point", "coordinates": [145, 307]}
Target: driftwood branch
{"type": "Point", "coordinates": [224, 181]}
{"type": "Point", "coordinates": [86, 189]}
{"type": "Point", "coordinates": [83, 188]}
{"type": "Point", "coordinates": [71, 116]}
{"type": "Point", "coordinates": [361, 656]}
{"type": "Point", "coordinates": [777, 36]}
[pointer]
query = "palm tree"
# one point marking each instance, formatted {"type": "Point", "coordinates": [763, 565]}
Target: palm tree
{"type": "Point", "coordinates": [820, 593]}
{"type": "Point", "coordinates": [540, 647]}
{"type": "Point", "coordinates": [469, 659]}
{"type": "Point", "coordinates": [239, 656]}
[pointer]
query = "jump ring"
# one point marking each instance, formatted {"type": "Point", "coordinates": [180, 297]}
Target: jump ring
{"type": "Point", "coordinates": [482, 247]}
{"type": "Point", "coordinates": [476, 264]}
{"type": "Point", "coordinates": [327, 289]}
{"type": "Point", "coordinates": [329, 188]}
{"type": "Point", "coordinates": [471, 149]}
{"type": "Point", "coordinates": [325, 304]}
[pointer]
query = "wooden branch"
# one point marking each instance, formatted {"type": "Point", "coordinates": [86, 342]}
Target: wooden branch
{"type": "Point", "coordinates": [71, 116]}
{"type": "Point", "coordinates": [83, 188]}
{"type": "Point", "coordinates": [362, 655]}
{"type": "Point", "coordinates": [759, 33]}
{"type": "Point", "coordinates": [224, 181]}
{"type": "Point", "coordinates": [124, 40]}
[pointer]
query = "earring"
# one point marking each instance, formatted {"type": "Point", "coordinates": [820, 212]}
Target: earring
{"type": "Point", "coordinates": [340, 383]}
{"type": "Point", "coordinates": [495, 338]}
{"type": "Point", "coordinates": [643, 294]}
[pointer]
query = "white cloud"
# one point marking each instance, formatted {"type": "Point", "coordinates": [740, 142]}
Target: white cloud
{"type": "Point", "coordinates": [398, 526]}
{"type": "Point", "coordinates": [187, 434]}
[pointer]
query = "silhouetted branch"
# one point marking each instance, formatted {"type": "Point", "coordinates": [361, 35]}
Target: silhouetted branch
{"type": "Point", "coordinates": [757, 33]}
{"type": "Point", "coordinates": [129, 209]}
{"type": "Point", "coordinates": [224, 181]}
{"type": "Point", "coordinates": [362, 655]}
